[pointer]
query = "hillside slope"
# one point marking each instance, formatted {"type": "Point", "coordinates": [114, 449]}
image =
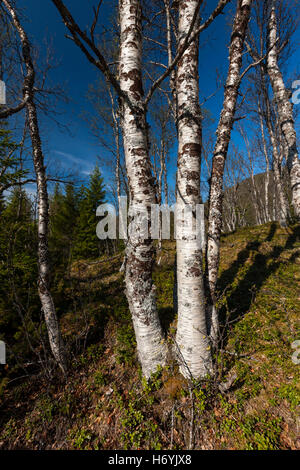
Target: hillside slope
{"type": "Point", "coordinates": [105, 405]}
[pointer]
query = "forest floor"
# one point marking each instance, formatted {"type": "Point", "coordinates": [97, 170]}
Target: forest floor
{"type": "Point", "coordinates": [104, 404]}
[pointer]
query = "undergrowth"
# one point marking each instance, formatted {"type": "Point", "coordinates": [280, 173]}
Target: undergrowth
{"type": "Point", "coordinates": [106, 404]}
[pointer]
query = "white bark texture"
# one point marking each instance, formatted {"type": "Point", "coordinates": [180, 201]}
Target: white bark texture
{"type": "Point", "coordinates": [140, 290]}
{"type": "Point", "coordinates": [282, 201]}
{"type": "Point", "coordinates": [220, 153]}
{"type": "Point", "coordinates": [285, 112]}
{"type": "Point", "coordinates": [192, 340]}
{"type": "Point", "coordinates": [170, 60]}
{"type": "Point", "coordinates": [265, 150]}
{"type": "Point", "coordinates": [55, 339]}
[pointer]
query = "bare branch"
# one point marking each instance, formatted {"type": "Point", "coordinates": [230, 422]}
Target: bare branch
{"type": "Point", "coordinates": [96, 15]}
{"type": "Point", "coordinates": [80, 37]}
{"type": "Point", "coordinates": [190, 37]}
{"type": "Point", "coordinates": [5, 113]}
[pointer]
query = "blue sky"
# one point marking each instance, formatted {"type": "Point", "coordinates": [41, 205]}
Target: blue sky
{"type": "Point", "coordinates": [74, 73]}
{"type": "Point", "coordinates": [78, 149]}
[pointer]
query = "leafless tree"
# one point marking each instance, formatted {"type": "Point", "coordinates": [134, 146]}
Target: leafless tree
{"type": "Point", "coordinates": [285, 110]}
{"type": "Point", "coordinates": [55, 338]}
{"type": "Point", "coordinates": [220, 152]}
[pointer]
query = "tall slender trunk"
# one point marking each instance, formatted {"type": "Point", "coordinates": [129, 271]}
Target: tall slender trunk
{"type": "Point", "coordinates": [267, 174]}
{"type": "Point", "coordinates": [174, 106]}
{"type": "Point", "coordinates": [285, 112]}
{"type": "Point", "coordinates": [191, 338]}
{"type": "Point", "coordinates": [282, 202]}
{"type": "Point", "coordinates": [166, 189]}
{"type": "Point", "coordinates": [116, 132]}
{"type": "Point", "coordinates": [54, 334]}
{"type": "Point", "coordinates": [159, 195]}
{"type": "Point", "coordinates": [220, 153]}
{"type": "Point", "coordinates": [255, 199]}
{"type": "Point", "coordinates": [140, 290]}
{"type": "Point", "coordinates": [170, 59]}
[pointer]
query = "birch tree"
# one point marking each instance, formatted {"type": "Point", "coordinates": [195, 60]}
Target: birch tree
{"type": "Point", "coordinates": [54, 334]}
{"type": "Point", "coordinates": [282, 202]}
{"type": "Point", "coordinates": [191, 337]}
{"type": "Point", "coordinates": [140, 290]}
{"type": "Point", "coordinates": [258, 49]}
{"type": "Point", "coordinates": [139, 285]}
{"type": "Point", "coordinates": [267, 160]}
{"type": "Point", "coordinates": [220, 152]}
{"type": "Point", "coordinates": [285, 111]}
{"type": "Point", "coordinates": [192, 342]}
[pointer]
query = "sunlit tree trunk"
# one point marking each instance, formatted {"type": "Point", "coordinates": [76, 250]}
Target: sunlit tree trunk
{"type": "Point", "coordinates": [54, 334]}
{"type": "Point", "coordinates": [140, 290]}
{"type": "Point", "coordinates": [220, 153]}
{"type": "Point", "coordinates": [170, 59]}
{"type": "Point", "coordinates": [282, 202]}
{"type": "Point", "coordinates": [267, 173]}
{"type": "Point", "coordinates": [255, 196]}
{"type": "Point", "coordinates": [285, 111]}
{"type": "Point", "coordinates": [192, 339]}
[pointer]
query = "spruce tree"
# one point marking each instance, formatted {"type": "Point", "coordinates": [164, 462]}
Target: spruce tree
{"type": "Point", "coordinates": [18, 269]}
{"type": "Point", "coordinates": [87, 244]}
{"type": "Point", "coordinates": [63, 219]}
{"type": "Point", "coordinates": [10, 171]}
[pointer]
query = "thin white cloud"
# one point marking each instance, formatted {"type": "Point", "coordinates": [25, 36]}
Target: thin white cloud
{"type": "Point", "coordinates": [71, 157]}
{"type": "Point", "coordinates": [79, 161]}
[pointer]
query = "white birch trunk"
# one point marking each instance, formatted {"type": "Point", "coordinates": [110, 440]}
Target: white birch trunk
{"type": "Point", "coordinates": [282, 202]}
{"type": "Point", "coordinates": [282, 212]}
{"type": "Point", "coordinates": [140, 290]}
{"type": "Point", "coordinates": [285, 112]}
{"type": "Point", "coordinates": [170, 59]}
{"type": "Point", "coordinates": [191, 338]}
{"type": "Point", "coordinates": [54, 335]}
{"type": "Point", "coordinates": [220, 153]}
{"type": "Point", "coordinates": [267, 175]}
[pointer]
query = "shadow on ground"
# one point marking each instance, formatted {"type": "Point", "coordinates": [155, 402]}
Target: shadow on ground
{"type": "Point", "coordinates": [262, 267]}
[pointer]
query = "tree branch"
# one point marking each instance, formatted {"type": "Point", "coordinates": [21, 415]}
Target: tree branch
{"type": "Point", "coordinates": [190, 37]}
{"type": "Point", "coordinates": [77, 33]}
{"type": "Point", "coordinates": [5, 113]}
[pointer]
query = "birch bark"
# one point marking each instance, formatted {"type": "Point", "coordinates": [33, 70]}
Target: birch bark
{"type": "Point", "coordinates": [191, 338]}
{"type": "Point", "coordinates": [170, 59]}
{"type": "Point", "coordinates": [140, 290]}
{"type": "Point", "coordinates": [285, 112]}
{"type": "Point", "coordinates": [265, 150]}
{"type": "Point", "coordinates": [282, 202]}
{"type": "Point", "coordinates": [54, 334]}
{"type": "Point", "coordinates": [220, 153]}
